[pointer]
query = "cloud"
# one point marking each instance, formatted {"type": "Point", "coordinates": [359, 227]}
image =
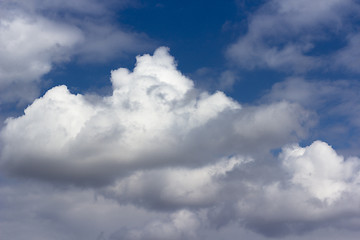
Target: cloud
{"type": "Point", "coordinates": [188, 161]}
{"type": "Point", "coordinates": [319, 170]}
{"type": "Point", "coordinates": [335, 102]}
{"type": "Point", "coordinates": [32, 45]}
{"type": "Point", "coordinates": [312, 188]}
{"type": "Point", "coordinates": [284, 35]}
{"type": "Point", "coordinates": [317, 192]}
{"type": "Point", "coordinates": [82, 7]}
{"type": "Point", "coordinates": [348, 57]}
{"type": "Point", "coordinates": [38, 211]}
{"type": "Point", "coordinates": [180, 225]}
{"type": "Point", "coordinates": [102, 37]}
{"type": "Point", "coordinates": [207, 78]}
{"type": "Point", "coordinates": [35, 37]}
{"type": "Point", "coordinates": [105, 42]}
{"type": "Point", "coordinates": [174, 188]}
{"type": "Point", "coordinates": [154, 117]}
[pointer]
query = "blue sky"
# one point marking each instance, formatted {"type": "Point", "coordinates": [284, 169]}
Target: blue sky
{"type": "Point", "coordinates": [179, 119]}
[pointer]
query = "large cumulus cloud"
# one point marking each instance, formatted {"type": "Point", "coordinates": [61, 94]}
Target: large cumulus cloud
{"type": "Point", "coordinates": [199, 161]}
{"type": "Point", "coordinates": [154, 117]}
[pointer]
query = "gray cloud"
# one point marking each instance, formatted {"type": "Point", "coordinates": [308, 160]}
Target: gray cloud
{"type": "Point", "coordinates": [335, 103]}
{"type": "Point", "coordinates": [180, 225]}
{"type": "Point", "coordinates": [348, 57]}
{"type": "Point", "coordinates": [282, 34]}
{"type": "Point", "coordinates": [38, 211]}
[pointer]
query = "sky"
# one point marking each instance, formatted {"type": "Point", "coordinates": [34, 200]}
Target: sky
{"type": "Point", "coordinates": [179, 120]}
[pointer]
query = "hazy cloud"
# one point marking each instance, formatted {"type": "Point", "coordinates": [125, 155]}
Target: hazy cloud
{"type": "Point", "coordinates": [349, 56]}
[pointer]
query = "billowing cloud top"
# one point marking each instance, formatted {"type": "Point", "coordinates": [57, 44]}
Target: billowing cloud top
{"type": "Point", "coordinates": [154, 117]}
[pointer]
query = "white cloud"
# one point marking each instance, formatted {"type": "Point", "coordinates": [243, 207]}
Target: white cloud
{"type": "Point", "coordinates": [320, 171]}
{"type": "Point", "coordinates": [35, 37]}
{"type": "Point", "coordinates": [314, 188]}
{"type": "Point", "coordinates": [195, 160]}
{"type": "Point", "coordinates": [29, 46]}
{"type": "Point", "coordinates": [102, 37]}
{"type": "Point", "coordinates": [154, 117]}
{"type": "Point", "coordinates": [282, 34]}
{"type": "Point", "coordinates": [318, 189]}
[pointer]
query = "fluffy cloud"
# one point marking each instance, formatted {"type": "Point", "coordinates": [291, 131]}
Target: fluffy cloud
{"type": "Point", "coordinates": [174, 188]}
{"type": "Point", "coordinates": [154, 117]}
{"type": "Point", "coordinates": [192, 160]}
{"type": "Point", "coordinates": [32, 45]}
{"type": "Point", "coordinates": [32, 42]}
{"type": "Point", "coordinates": [320, 171]}
{"type": "Point", "coordinates": [99, 32]}
{"type": "Point", "coordinates": [320, 190]}
{"type": "Point", "coordinates": [284, 35]}
{"type": "Point", "coordinates": [313, 188]}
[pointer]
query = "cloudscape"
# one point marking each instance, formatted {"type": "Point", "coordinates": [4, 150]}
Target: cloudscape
{"type": "Point", "coordinates": [149, 120]}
